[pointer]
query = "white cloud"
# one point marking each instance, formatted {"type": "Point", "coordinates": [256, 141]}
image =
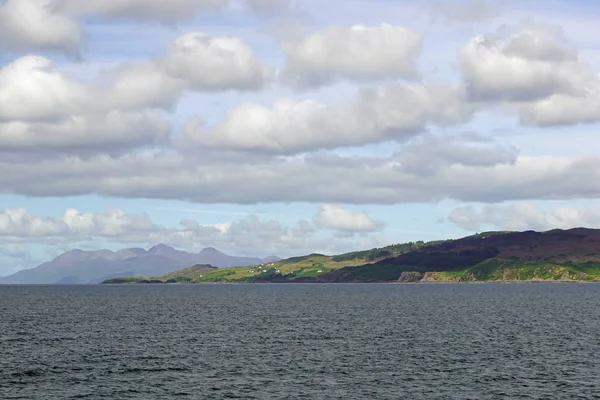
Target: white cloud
{"type": "Point", "coordinates": [564, 109]}
{"type": "Point", "coordinates": [536, 72]}
{"type": "Point", "coordinates": [335, 216]}
{"type": "Point", "coordinates": [114, 222]}
{"type": "Point", "coordinates": [215, 63]}
{"type": "Point", "coordinates": [390, 112]}
{"type": "Point", "coordinates": [35, 24]}
{"type": "Point", "coordinates": [250, 235]}
{"type": "Point", "coordinates": [271, 236]}
{"type": "Point", "coordinates": [43, 110]}
{"type": "Point", "coordinates": [32, 89]}
{"type": "Point", "coordinates": [29, 25]}
{"type": "Point", "coordinates": [60, 135]}
{"type": "Point", "coordinates": [524, 216]}
{"type": "Point", "coordinates": [531, 64]}
{"type": "Point", "coordinates": [194, 61]}
{"type": "Point", "coordinates": [21, 223]}
{"type": "Point", "coordinates": [140, 84]}
{"type": "Point", "coordinates": [357, 52]}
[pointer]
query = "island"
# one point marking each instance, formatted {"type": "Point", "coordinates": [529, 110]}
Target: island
{"type": "Point", "coordinates": [553, 256]}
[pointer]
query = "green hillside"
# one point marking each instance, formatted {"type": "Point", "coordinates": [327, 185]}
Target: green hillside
{"type": "Point", "coordinates": [309, 266]}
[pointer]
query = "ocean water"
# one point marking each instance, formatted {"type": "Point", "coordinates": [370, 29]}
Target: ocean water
{"type": "Point", "coordinates": [301, 341]}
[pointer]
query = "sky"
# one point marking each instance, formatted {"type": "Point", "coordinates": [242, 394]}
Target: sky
{"type": "Point", "coordinates": [282, 127]}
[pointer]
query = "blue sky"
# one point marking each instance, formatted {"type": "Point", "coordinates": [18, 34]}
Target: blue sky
{"type": "Point", "coordinates": [303, 126]}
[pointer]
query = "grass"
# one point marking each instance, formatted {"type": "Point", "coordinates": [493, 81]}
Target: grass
{"type": "Point", "coordinates": [289, 269]}
{"type": "Point", "coordinates": [497, 269]}
{"type": "Point", "coordinates": [190, 272]}
{"type": "Point", "coordinates": [493, 269]}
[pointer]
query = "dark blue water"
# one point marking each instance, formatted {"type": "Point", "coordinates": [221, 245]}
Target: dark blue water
{"type": "Point", "coordinates": [371, 341]}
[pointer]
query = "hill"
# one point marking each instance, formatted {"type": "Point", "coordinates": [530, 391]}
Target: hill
{"type": "Point", "coordinates": [556, 255]}
{"type": "Point", "coordinates": [492, 256]}
{"type": "Point", "coordinates": [304, 267]}
{"type": "Point", "coordinates": [79, 266]}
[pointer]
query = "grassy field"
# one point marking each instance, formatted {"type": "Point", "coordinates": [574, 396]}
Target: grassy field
{"type": "Point", "coordinates": [285, 270]}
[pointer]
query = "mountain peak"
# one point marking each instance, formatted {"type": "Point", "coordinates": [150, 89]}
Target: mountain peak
{"type": "Point", "coordinates": [77, 266]}
{"type": "Point", "coordinates": [160, 248]}
{"type": "Point", "coordinates": [270, 259]}
{"type": "Point", "coordinates": [71, 256]}
{"type": "Point", "coordinates": [210, 250]}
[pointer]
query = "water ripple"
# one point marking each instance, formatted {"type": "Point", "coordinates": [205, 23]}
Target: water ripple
{"type": "Point", "coordinates": [496, 341]}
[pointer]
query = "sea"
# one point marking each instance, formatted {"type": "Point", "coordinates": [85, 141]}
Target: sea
{"type": "Point", "coordinates": [301, 341]}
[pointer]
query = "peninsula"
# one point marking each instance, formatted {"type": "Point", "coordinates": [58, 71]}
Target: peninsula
{"type": "Point", "coordinates": [556, 255]}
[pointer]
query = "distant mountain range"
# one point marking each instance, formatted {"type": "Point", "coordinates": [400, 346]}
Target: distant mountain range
{"type": "Point", "coordinates": [79, 266]}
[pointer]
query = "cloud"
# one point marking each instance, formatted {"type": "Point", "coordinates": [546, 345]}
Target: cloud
{"type": "Point", "coordinates": [271, 236]}
{"type": "Point", "coordinates": [357, 52]}
{"type": "Point", "coordinates": [167, 12]}
{"type": "Point", "coordinates": [29, 25]}
{"type": "Point", "coordinates": [428, 154]}
{"type": "Point", "coordinates": [249, 235]}
{"type": "Point", "coordinates": [33, 25]}
{"type": "Point", "coordinates": [15, 250]}
{"type": "Point", "coordinates": [31, 89]}
{"type": "Point", "coordinates": [215, 212]}
{"type": "Point", "coordinates": [269, 7]}
{"type": "Point", "coordinates": [465, 11]}
{"type": "Point", "coordinates": [564, 109]}
{"type": "Point", "coordinates": [14, 257]}
{"type": "Point", "coordinates": [387, 112]}
{"type": "Point", "coordinates": [335, 216]}
{"type": "Point", "coordinates": [531, 64]}
{"type": "Point", "coordinates": [112, 135]}
{"type": "Point", "coordinates": [524, 216]}
{"type": "Point", "coordinates": [194, 61]}
{"type": "Point", "coordinates": [43, 110]}
{"type": "Point", "coordinates": [322, 177]}
{"type": "Point", "coordinates": [537, 72]}
{"type": "Point", "coordinates": [137, 85]}
{"type": "Point", "coordinates": [215, 63]}
{"type": "Point", "coordinates": [114, 132]}
{"type": "Point", "coordinates": [21, 223]}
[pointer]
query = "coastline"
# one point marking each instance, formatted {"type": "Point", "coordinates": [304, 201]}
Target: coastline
{"type": "Point", "coordinates": [338, 283]}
